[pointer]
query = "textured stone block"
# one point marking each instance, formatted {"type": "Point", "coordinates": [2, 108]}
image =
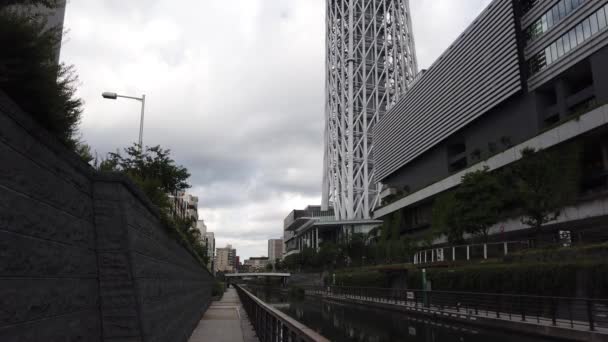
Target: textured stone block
{"type": "Point", "coordinates": [13, 135]}
{"type": "Point", "coordinates": [28, 257]}
{"type": "Point", "coordinates": [120, 323]}
{"type": "Point", "coordinates": [111, 231]}
{"type": "Point", "coordinates": [75, 327]}
{"type": "Point", "coordinates": [117, 294]}
{"type": "Point", "coordinates": [23, 175]}
{"type": "Point", "coordinates": [24, 300]}
{"type": "Point", "coordinates": [23, 215]}
{"type": "Point", "coordinates": [114, 266]}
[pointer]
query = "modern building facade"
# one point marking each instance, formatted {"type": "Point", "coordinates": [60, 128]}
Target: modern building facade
{"type": "Point", "coordinates": [226, 259]}
{"type": "Point", "coordinates": [310, 227]}
{"type": "Point", "coordinates": [526, 73]}
{"type": "Point", "coordinates": [275, 249]}
{"type": "Point", "coordinates": [370, 62]}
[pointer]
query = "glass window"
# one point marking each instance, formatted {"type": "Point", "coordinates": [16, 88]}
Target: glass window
{"type": "Point", "coordinates": [580, 38]}
{"type": "Point", "coordinates": [566, 39]}
{"type": "Point", "coordinates": [555, 11]}
{"type": "Point", "coordinates": [562, 9]}
{"type": "Point", "coordinates": [572, 35]}
{"type": "Point", "coordinates": [549, 18]}
{"type": "Point", "coordinates": [544, 23]}
{"type": "Point", "coordinates": [548, 59]}
{"type": "Point", "coordinates": [587, 28]}
{"type": "Point", "coordinates": [554, 56]}
{"type": "Point", "coordinates": [601, 18]}
{"type": "Point", "coordinates": [594, 24]}
{"type": "Point", "coordinates": [568, 6]}
{"type": "Point", "coordinates": [560, 47]}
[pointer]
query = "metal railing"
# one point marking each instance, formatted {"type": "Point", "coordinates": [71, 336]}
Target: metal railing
{"type": "Point", "coordinates": [573, 313]}
{"type": "Point", "coordinates": [469, 252]}
{"type": "Point", "coordinates": [271, 325]}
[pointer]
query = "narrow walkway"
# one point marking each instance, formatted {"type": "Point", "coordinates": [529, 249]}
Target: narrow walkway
{"type": "Point", "coordinates": [225, 321]}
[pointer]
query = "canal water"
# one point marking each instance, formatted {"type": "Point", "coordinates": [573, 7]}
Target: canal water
{"type": "Point", "coordinates": [341, 322]}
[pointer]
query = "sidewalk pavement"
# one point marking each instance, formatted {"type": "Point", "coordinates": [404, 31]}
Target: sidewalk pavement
{"type": "Point", "coordinates": [225, 321]}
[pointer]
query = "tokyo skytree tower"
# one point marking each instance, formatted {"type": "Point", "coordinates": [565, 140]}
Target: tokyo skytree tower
{"type": "Point", "coordinates": [371, 59]}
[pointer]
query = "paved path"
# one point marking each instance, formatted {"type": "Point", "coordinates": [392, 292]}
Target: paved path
{"type": "Point", "coordinates": [225, 321]}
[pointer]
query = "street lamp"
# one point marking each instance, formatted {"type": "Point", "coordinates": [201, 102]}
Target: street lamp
{"type": "Point", "coordinates": [142, 99]}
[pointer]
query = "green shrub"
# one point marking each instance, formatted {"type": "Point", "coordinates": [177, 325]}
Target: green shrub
{"type": "Point", "coordinates": [219, 288]}
{"type": "Point", "coordinates": [546, 279]}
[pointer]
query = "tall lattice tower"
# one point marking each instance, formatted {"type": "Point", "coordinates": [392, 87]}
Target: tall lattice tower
{"type": "Point", "coordinates": [371, 59]}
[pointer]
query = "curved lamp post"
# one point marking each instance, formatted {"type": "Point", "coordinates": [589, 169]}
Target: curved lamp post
{"type": "Point", "coordinates": [142, 99]}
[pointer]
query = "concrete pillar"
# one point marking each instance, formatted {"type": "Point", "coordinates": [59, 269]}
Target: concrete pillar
{"type": "Point", "coordinates": [485, 250]}
{"type": "Point", "coordinates": [453, 253]}
{"type": "Point", "coordinates": [506, 248]}
{"type": "Point", "coordinates": [468, 252]}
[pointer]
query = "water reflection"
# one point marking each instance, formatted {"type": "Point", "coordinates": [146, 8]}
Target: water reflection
{"type": "Point", "coordinates": [352, 323]}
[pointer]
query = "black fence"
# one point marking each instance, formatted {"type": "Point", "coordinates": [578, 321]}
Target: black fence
{"type": "Point", "coordinates": [575, 313]}
{"type": "Point", "coordinates": [272, 325]}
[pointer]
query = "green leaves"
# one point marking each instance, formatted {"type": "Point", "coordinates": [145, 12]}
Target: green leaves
{"type": "Point", "coordinates": [153, 169]}
{"type": "Point", "coordinates": [537, 188]}
{"type": "Point", "coordinates": [546, 181]}
{"type": "Point", "coordinates": [31, 78]}
{"type": "Point", "coordinates": [473, 208]}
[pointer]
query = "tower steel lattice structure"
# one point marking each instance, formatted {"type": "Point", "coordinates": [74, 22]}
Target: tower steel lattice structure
{"type": "Point", "coordinates": [370, 60]}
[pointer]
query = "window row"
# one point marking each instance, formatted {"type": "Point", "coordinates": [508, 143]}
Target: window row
{"type": "Point", "coordinates": [593, 24]}
{"type": "Point", "coordinates": [551, 18]}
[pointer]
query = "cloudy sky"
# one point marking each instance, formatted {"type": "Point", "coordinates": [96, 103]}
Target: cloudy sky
{"type": "Point", "coordinates": [234, 89]}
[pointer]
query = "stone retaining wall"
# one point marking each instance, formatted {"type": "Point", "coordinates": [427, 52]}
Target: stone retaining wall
{"type": "Point", "coordinates": [83, 255]}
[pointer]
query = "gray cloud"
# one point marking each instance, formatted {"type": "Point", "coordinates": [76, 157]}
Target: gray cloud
{"type": "Point", "coordinates": [235, 89]}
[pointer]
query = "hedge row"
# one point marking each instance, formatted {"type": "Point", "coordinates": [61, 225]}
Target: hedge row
{"type": "Point", "coordinates": [576, 279]}
{"type": "Point", "coordinates": [548, 279]}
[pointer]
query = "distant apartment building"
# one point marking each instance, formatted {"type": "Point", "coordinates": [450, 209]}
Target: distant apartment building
{"type": "Point", "coordinates": [275, 249]}
{"type": "Point", "coordinates": [524, 74]}
{"type": "Point", "coordinates": [225, 259]}
{"type": "Point", "coordinates": [201, 226]}
{"type": "Point", "coordinates": [185, 206]}
{"type": "Point", "coordinates": [256, 264]}
{"type": "Point", "coordinates": [210, 243]}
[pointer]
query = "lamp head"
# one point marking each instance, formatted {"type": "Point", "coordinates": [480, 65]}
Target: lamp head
{"type": "Point", "coordinates": [108, 95]}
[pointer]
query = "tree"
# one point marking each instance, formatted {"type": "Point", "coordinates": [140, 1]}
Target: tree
{"type": "Point", "coordinates": [473, 208]}
{"type": "Point", "coordinates": [479, 202]}
{"type": "Point", "coordinates": [30, 76]}
{"type": "Point", "coordinates": [328, 254]}
{"type": "Point", "coordinates": [45, 3]}
{"type": "Point", "coordinates": [152, 169]}
{"type": "Point", "coordinates": [445, 219]}
{"type": "Point", "coordinates": [545, 183]}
